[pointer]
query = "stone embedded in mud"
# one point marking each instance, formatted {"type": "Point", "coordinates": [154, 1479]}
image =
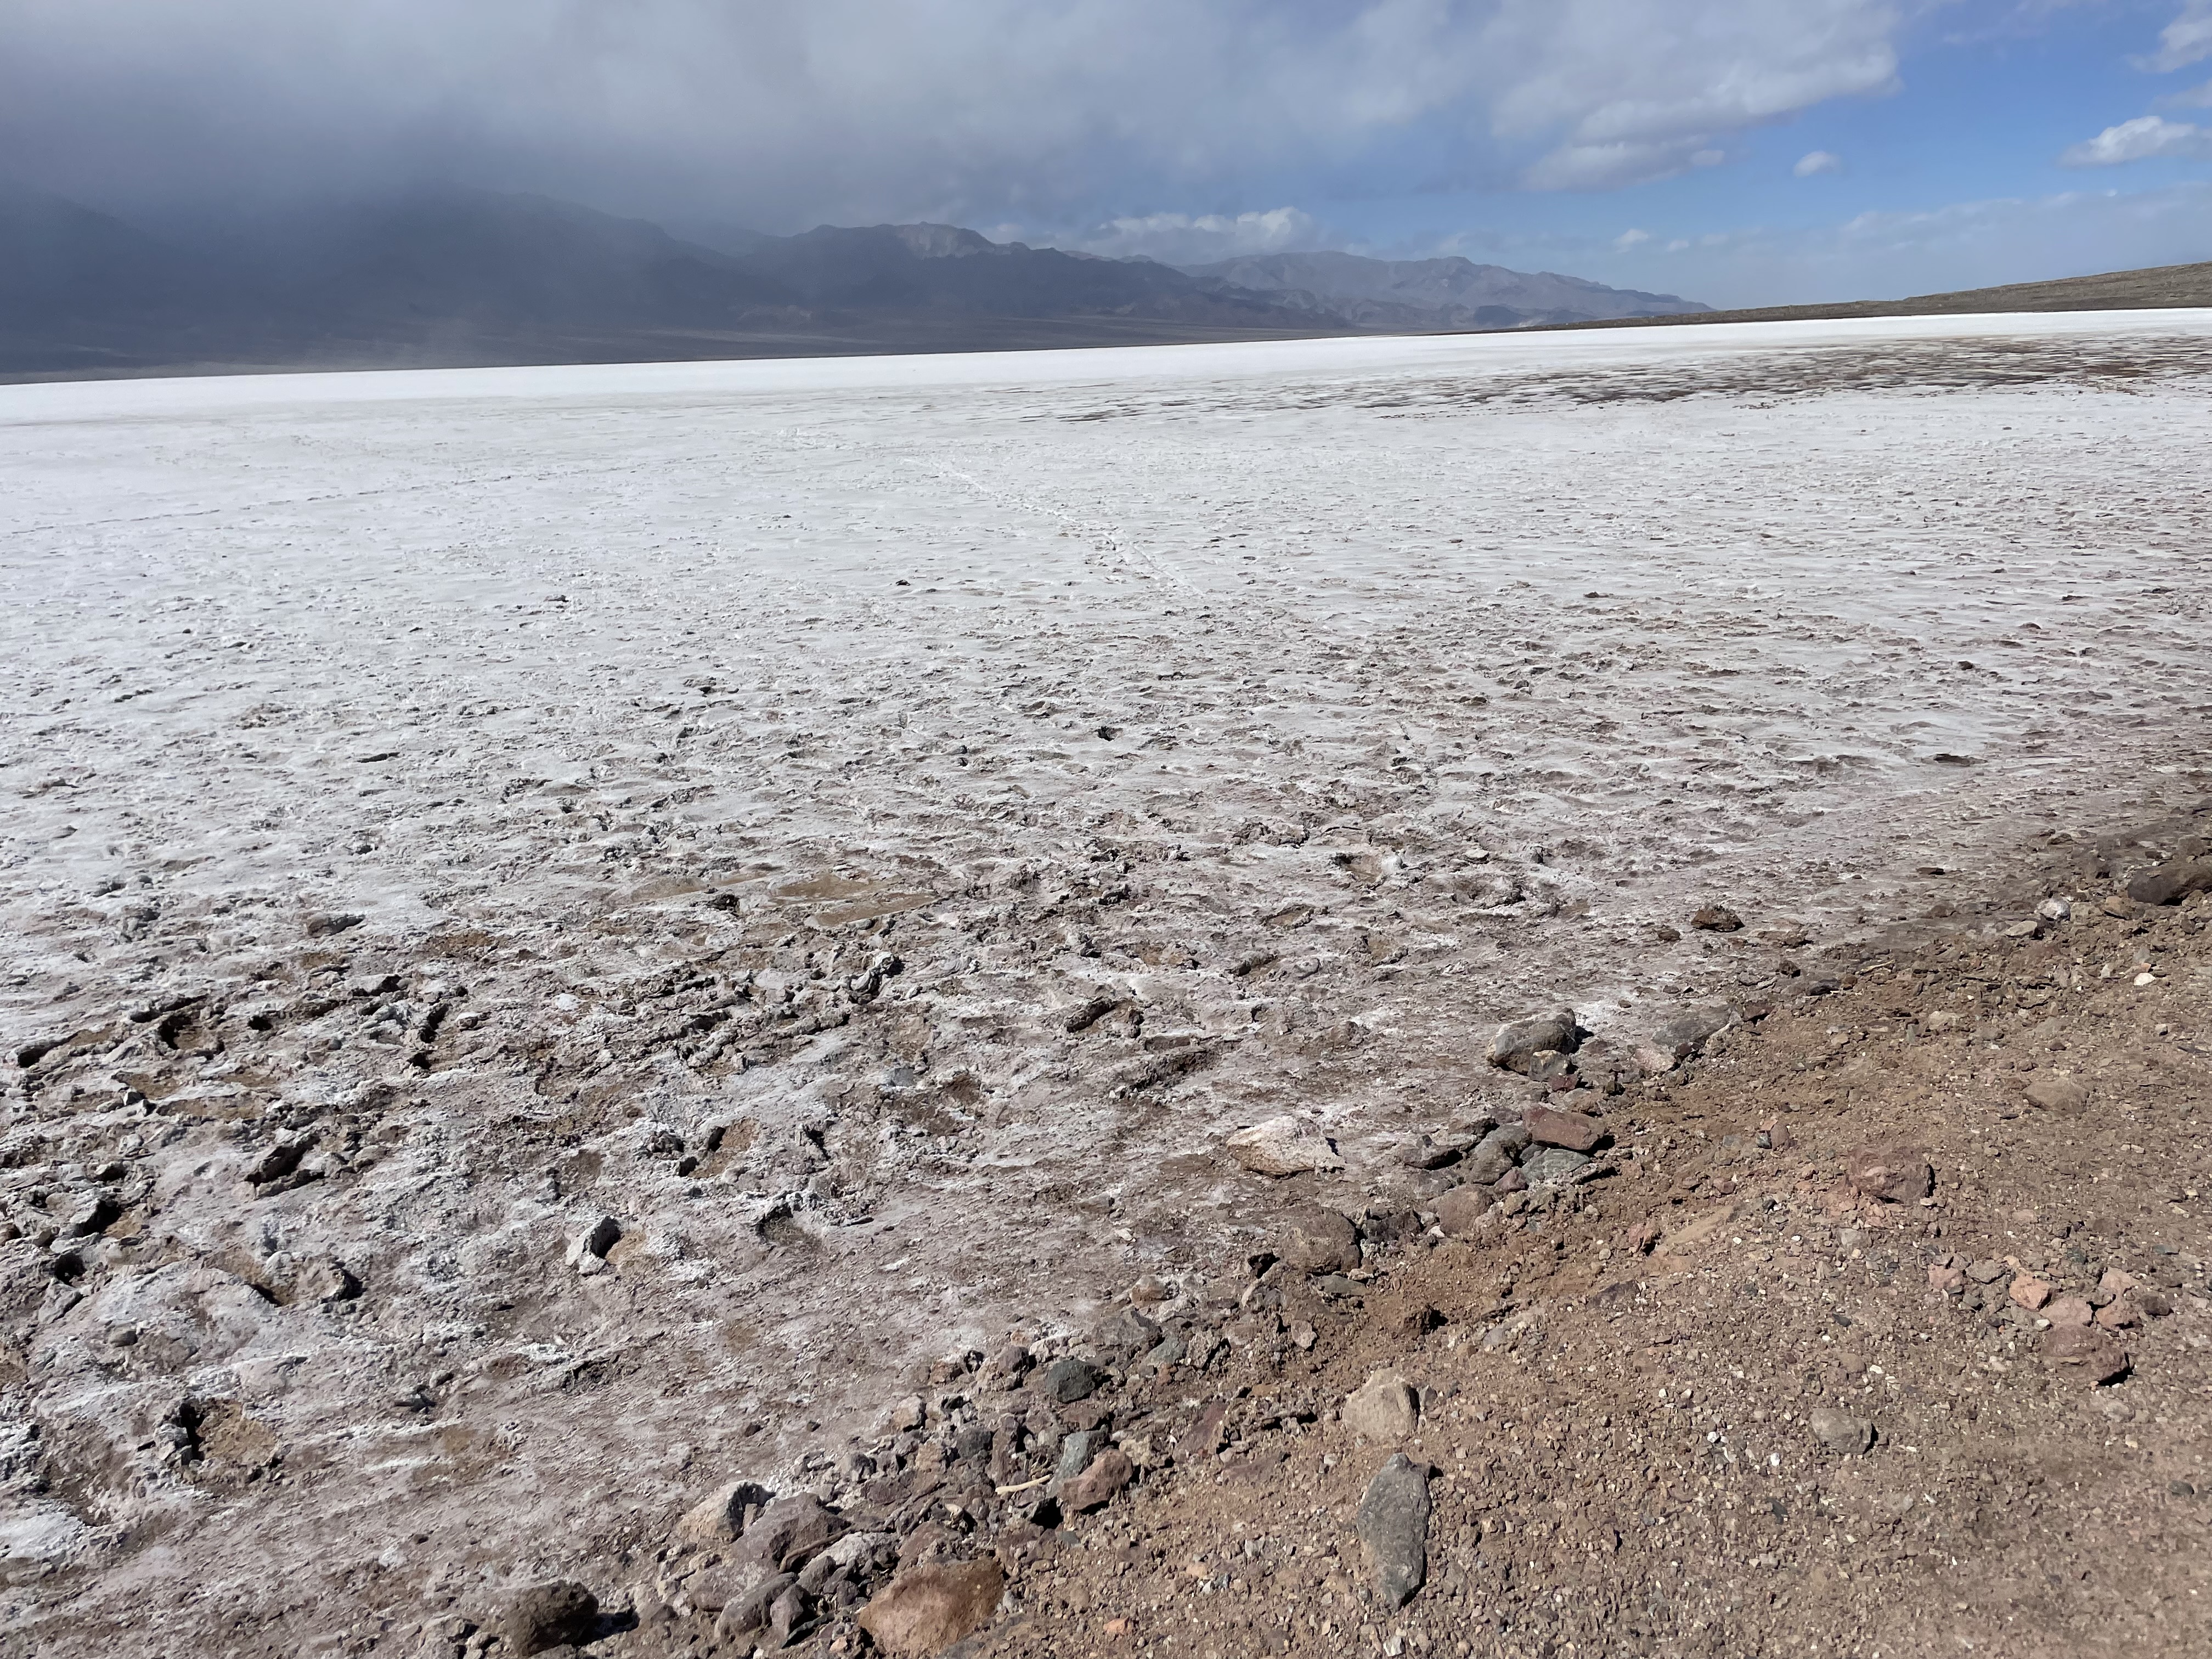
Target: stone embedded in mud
{"type": "Point", "coordinates": [1097, 1485]}
{"type": "Point", "coordinates": [1686, 1034]}
{"type": "Point", "coordinates": [561, 1614]}
{"type": "Point", "coordinates": [2087, 1350]}
{"type": "Point", "coordinates": [1394, 1526]}
{"type": "Point", "coordinates": [789, 1531]}
{"type": "Point", "coordinates": [1892, 1173]}
{"type": "Point", "coordinates": [1839, 1431]}
{"type": "Point", "coordinates": [2171, 883]}
{"type": "Point", "coordinates": [1466, 1213]}
{"type": "Point", "coordinates": [1515, 1046]}
{"type": "Point", "coordinates": [1283, 1146]}
{"type": "Point", "coordinates": [587, 1251]}
{"type": "Point", "coordinates": [1549, 1127]}
{"type": "Point", "coordinates": [1069, 1380]}
{"type": "Point", "coordinates": [921, 1612]}
{"type": "Point", "coordinates": [1716, 919]}
{"type": "Point", "coordinates": [721, 1518]}
{"type": "Point", "coordinates": [2056, 1094]}
{"type": "Point", "coordinates": [1314, 1240]}
{"type": "Point", "coordinates": [1382, 1409]}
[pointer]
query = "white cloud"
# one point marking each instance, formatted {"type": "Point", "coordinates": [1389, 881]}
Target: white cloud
{"type": "Point", "coordinates": [2187, 40]}
{"type": "Point", "coordinates": [1184, 238]}
{"type": "Point", "coordinates": [2139, 139]}
{"type": "Point", "coordinates": [1820, 161]}
{"type": "Point", "coordinates": [2194, 97]}
{"type": "Point", "coordinates": [1629, 239]}
{"type": "Point", "coordinates": [791, 110]}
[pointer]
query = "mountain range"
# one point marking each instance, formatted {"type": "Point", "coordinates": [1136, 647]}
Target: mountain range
{"type": "Point", "coordinates": [456, 277]}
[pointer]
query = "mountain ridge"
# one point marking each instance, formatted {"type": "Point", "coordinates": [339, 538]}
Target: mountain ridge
{"type": "Point", "coordinates": [455, 276]}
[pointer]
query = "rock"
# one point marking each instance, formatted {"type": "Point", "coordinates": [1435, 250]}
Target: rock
{"type": "Point", "coordinates": [1069, 1380]}
{"type": "Point", "coordinates": [1515, 1046]}
{"type": "Point", "coordinates": [1940, 1020]}
{"type": "Point", "coordinates": [1496, 1153]}
{"type": "Point", "coordinates": [1382, 1409]}
{"type": "Point", "coordinates": [908, 1414]}
{"type": "Point", "coordinates": [1716, 919]}
{"type": "Point", "coordinates": [1098, 1484]}
{"type": "Point", "coordinates": [1549, 1127]}
{"type": "Point", "coordinates": [2070, 1310]}
{"type": "Point", "coordinates": [1394, 1527]}
{"type": "Point", "coordinates": [790, 1531]}
{"type": "Point", "coordinates": [2029, 1292]}
{"type": "Point", "coordinates": [2117, 1315]}
{"type": "Point", "coordinates": [1987, 1271]}
{"type": "Point", "coordinates": [332, 921]}
{"type": "Point", "coordinates": [1555, 1166]}
{"type": "Point", "coordinates": [2086, 1350]}
{"type": "Point", "coordinates": [1315, 1240]}
{"type": "Point", "coordinates": [1425, 1151]}
{"type": "Point", "coordinates": [561, 1614]}
{"type": "Point", "coordinates": [1466, 1213]}
{"type": "Point", "coordinates": [1688, 1031]}
{"type": "Point", "coordinates": [1943, 1277]}
{"type": "Point", "coordinates": [1839, 1431]}
{"type": "Point", "coordinates": [1283, 1146]}
{"type": "Point", "coordinates": [2114, 1282]}
{"type": "Point", "coordinates": [589, 1248]}
{"type": "Point", "coordinates": [787, 1614]}
{"type": "Point", "coordinates": [1892, 1173]}
{"type": "Point", "coordinates": [721, 1518]}
{"type": "Point", "coordinates": [2056, 1094]}
{"type": "Point", "coordinates": [751, 1611]}
{"type": "Point", "coordinates": [1005, 1367]}
{"type": "Point", "coordinates": [2171, 883]}
{"type": "Point", "coordinates": [1076, 1451]}
{"type": "Point", "coordinates": [2054, 909]}
{"type": "Point", "coordinates": [1127, 1331]}
{"type": "Point", "coordinates": [921, 1612]}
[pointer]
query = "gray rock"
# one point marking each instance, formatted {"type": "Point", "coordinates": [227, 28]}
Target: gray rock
{"type": "Point", "coordinates": [1394, 1526]}
{"type": "Point", "coordinates": [1127, 1331]}
{"type": "Point", "coordinates": [561, 1614]}
{"type": "Point", "coordinates": [1555, 1166]}
{"type": "Point", "coordinates": [1496, 1153]}
{"type": "Point", "coordinates": [1688, 1031]}
{"type": "Point", "coordinates": [2171, 883]}
{"type": "Point", "coordinates": [1076, 1451]}
{"type": "Point", "coordinates": [1839, 1431]}
{"type": "Point", "coordinates": [1517, 1046]}
{"type": "Point", "coordinates": [751, 1611]}
{"type": "Point", "coordinates": [1067, 1381]}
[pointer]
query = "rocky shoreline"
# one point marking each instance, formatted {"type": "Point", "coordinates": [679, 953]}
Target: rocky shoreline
{"type": "Point", "coordinates": [1034, 1498]}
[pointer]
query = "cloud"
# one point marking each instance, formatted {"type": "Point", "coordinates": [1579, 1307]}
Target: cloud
{"type": "Point", "coordinates": [1629, 239]}
{"type": "Point", "coordinates": [1180, 239]}
{"type": "Point", "coordinates": [1819, 161]}
{"type": "Point", "coordinates": [787, 112]}
{"type": "Point", "coordinates": [2139, 139]}
{"type": "Point", "coordinates": [2187, 40]}
{"type": "Point", "coordinates": [2194, 97]}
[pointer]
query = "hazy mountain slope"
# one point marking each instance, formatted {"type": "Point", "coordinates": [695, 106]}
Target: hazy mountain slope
{"type": "Point", "coordinates": [943, 267]}
{"type": "Point", "coordinates": [2154, 287]}
{"type": "Point", "coordinates": [1451, 293]}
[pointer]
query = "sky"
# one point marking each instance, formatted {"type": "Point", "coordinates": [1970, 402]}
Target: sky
{"type": "Point", "coordinates": [1735, 151]}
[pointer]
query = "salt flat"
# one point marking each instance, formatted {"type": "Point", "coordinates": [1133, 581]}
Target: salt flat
{"type": "Point", "coordinates": [870, 827]}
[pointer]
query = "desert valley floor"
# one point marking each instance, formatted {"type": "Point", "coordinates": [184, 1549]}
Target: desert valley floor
{"type": "Point", "coordinates": [564, 927]}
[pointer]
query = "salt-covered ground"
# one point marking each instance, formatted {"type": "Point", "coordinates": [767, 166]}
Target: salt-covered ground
{"type": "Point", "coordinates": [871, 827]}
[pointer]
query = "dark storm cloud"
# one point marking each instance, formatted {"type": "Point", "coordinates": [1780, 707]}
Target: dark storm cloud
{"type": "Point", "coordinates": [786, 112]}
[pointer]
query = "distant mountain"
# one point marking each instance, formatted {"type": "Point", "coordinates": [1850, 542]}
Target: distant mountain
{"type": "Point", "coordinates": [1435, 294]}
{"type": "Point", "coordinates": [458, 276]}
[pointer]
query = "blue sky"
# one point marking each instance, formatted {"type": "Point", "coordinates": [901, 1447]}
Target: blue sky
{"type": "Point", "coordinates": [1655, 143]}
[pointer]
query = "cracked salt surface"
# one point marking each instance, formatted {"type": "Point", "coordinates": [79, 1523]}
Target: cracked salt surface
{"type": "Point", "coordinates": [870, 828]}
